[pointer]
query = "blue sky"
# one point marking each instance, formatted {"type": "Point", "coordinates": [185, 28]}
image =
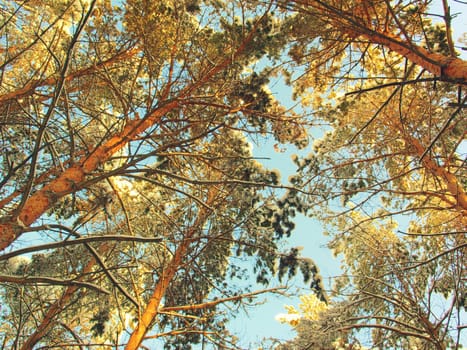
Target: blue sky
{"type": "Point", "coordinates": [259, 323]}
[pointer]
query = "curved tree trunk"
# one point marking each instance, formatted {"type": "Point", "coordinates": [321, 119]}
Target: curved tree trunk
{"type": "Point", "coordinates": [364, 21]}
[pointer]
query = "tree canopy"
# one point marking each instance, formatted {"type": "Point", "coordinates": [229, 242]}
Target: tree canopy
{"type": "Point", "coordinates": [133, 208]}
{"type": "Point", "coordinates": [388, 173]}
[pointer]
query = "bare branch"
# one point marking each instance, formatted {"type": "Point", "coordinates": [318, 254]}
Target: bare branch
{"type": "Point", "coordinates": [51, 280]}
{"type": "Point", "coordinates": [82, 240]}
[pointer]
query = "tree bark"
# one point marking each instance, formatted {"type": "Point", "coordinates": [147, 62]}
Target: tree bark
{"type": "Point", "coordinates": [28, 89]}
{"type": "Point", "coordinates": [152, 308]}
{"type": "Point", "coordinates": [57, 307]}
{"type": "Point", "coordinates": [355, 25]}
{"type": "Point", "coordinates": [450, 180]}
{"type": "Point", "coordinates": [445, 67]}
{"type": "Point", "coordinates": [71, 179]}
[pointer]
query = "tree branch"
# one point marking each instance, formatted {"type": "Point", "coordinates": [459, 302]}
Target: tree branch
{"type": "Point", "coordinates": [218, 301]}
{"type": "Point", "coordinates": [51, 280]}
{"type": "Point", "coordinates": [82, 240]}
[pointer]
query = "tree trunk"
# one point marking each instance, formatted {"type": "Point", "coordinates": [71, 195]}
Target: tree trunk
{"type": "Point", "coordinates": [57, 307]}
{"type": "Point", "coordinates": [152, 308]}
{"type": "Point", "coordinates": [71, 179]}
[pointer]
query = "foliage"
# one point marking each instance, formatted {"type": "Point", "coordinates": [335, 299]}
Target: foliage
{"type": "Point", "coordinates": [132, 206]}
{"type": "Point", "coordinates": [126, 128]}
{"type": "Point", "coordinates": [388, 173]}
{"type": "Point", "coordinates": [310, 309]}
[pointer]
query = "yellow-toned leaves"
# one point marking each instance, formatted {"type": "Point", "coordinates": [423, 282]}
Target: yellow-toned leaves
{"type": "Point", "coordinates": [310, 309]}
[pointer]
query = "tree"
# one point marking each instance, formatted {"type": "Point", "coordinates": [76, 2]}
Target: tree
{"type": "Point", "coordinates": [384, 298]}
{"type": "Point", "coordinates": [123, 130]}
{"type": "Point", "coordinates": [388, 173]}
{"type": "Point", "coordinates": [404, 28]}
